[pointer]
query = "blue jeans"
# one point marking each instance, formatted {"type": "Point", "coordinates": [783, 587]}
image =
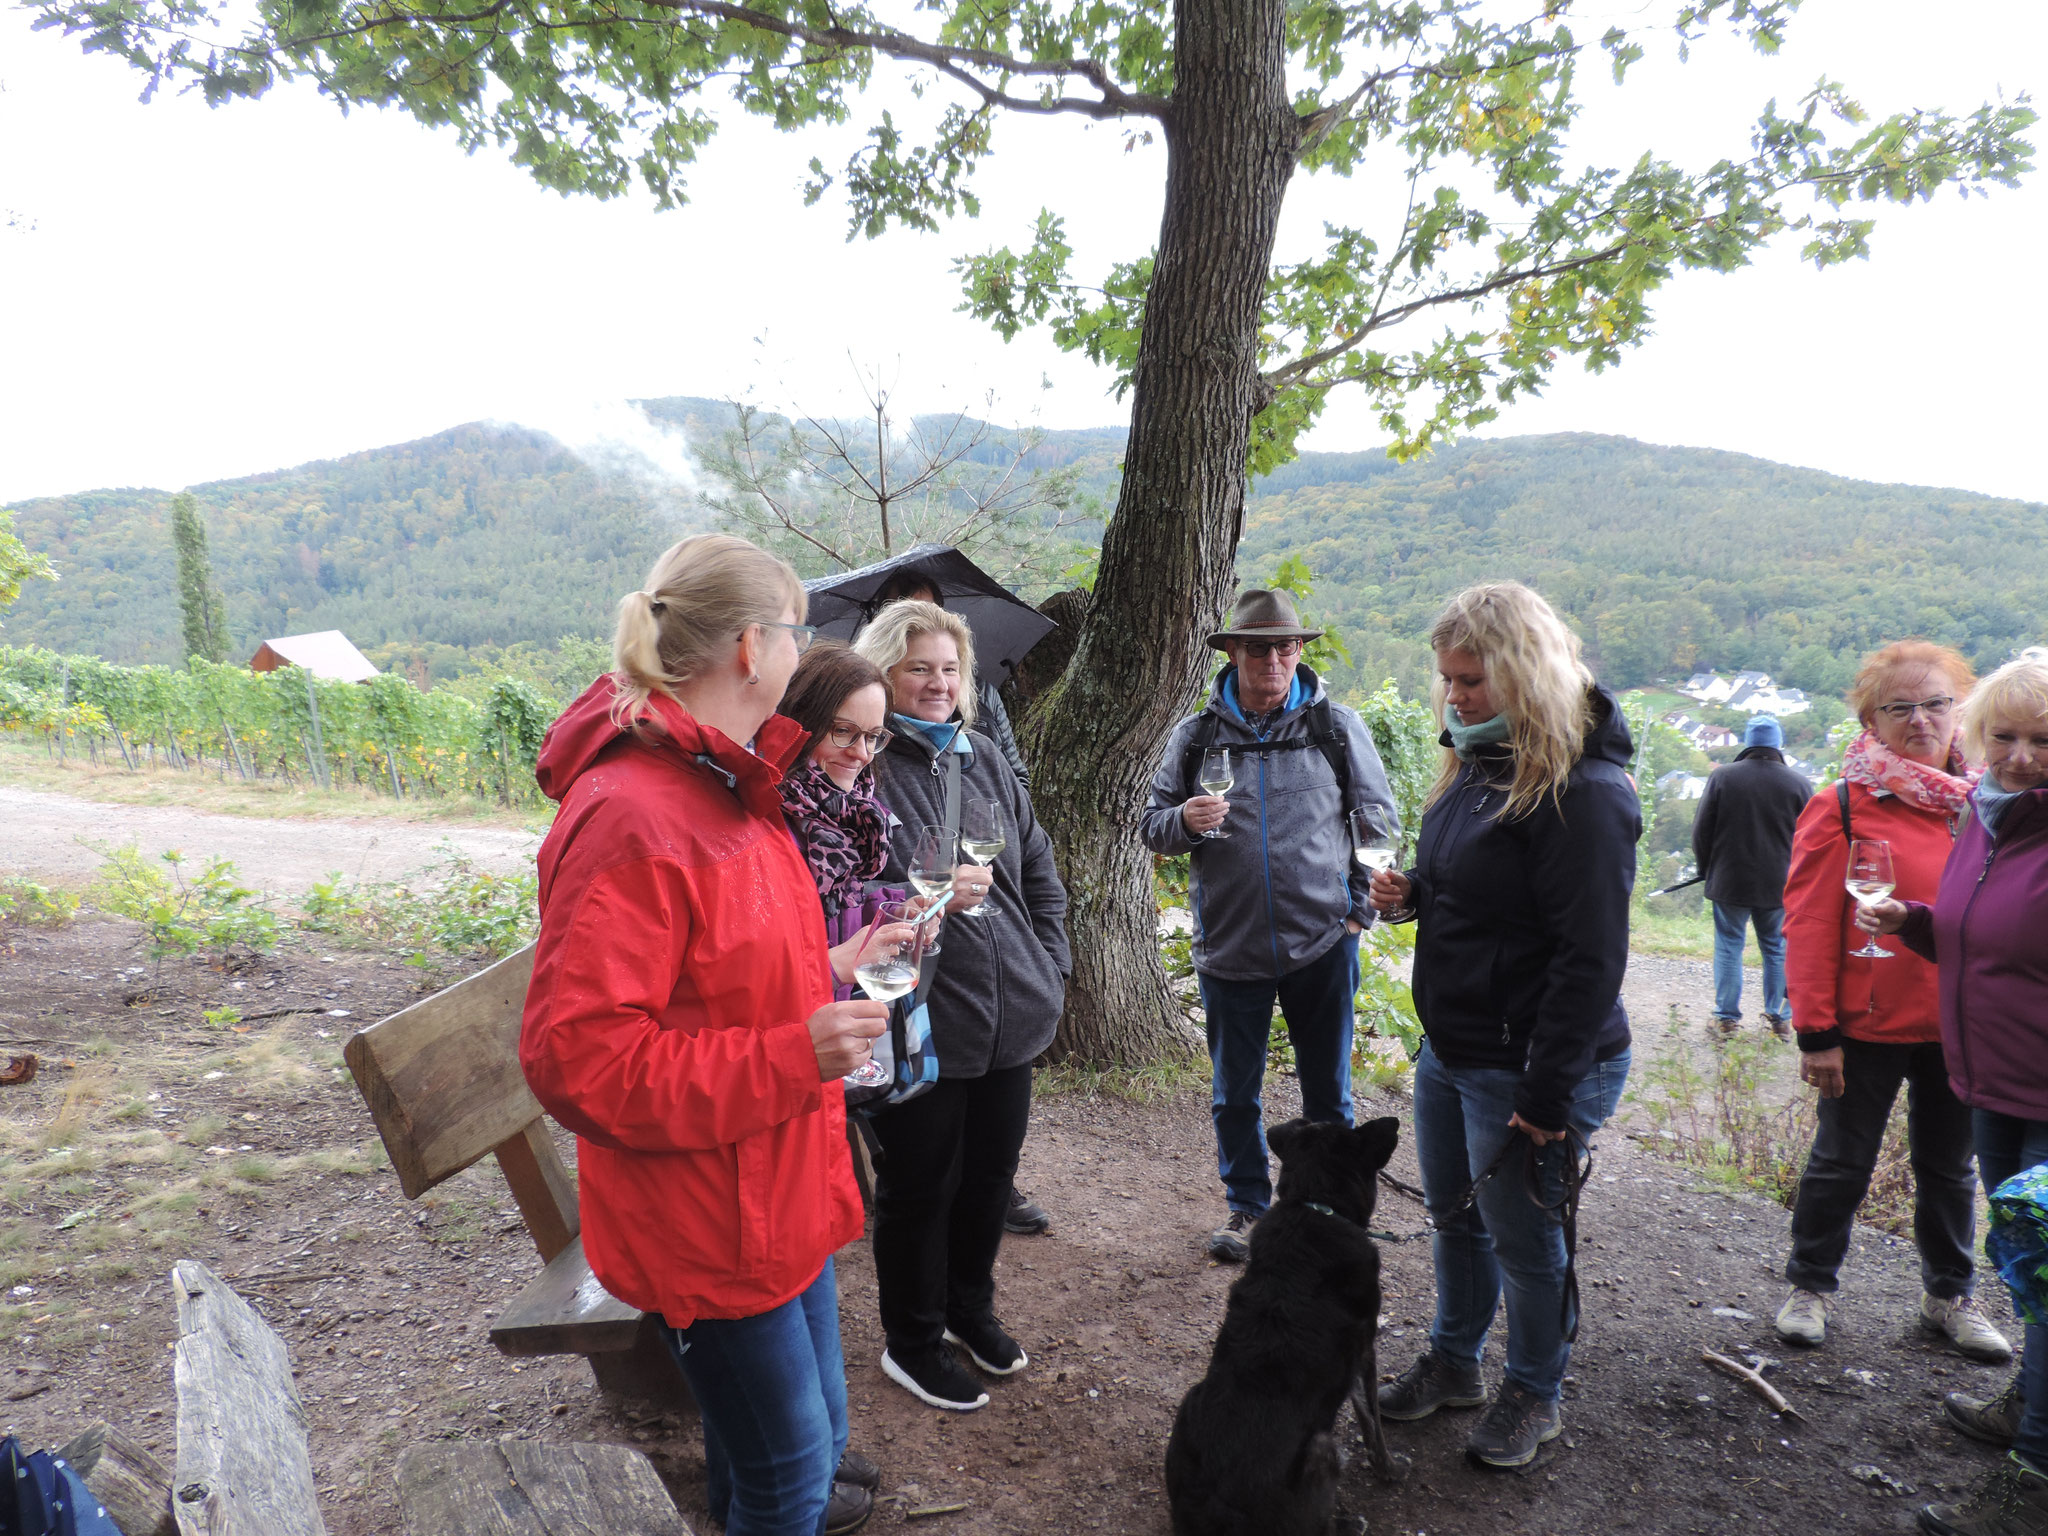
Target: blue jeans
{"type": "Point", "coordinates": [1316, 1003]}
{"type": "Point", "coordinates": [1770, 940]}
{"type": "Point", "coordinates": [1461, 1123]}
{"type": "Point", "coordinates": [773, 1393]}
{"type": "Point", "coordinates": [2007, 1145]}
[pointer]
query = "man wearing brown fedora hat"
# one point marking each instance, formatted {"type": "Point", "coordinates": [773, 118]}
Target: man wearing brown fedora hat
{"type": "Point", "coordinates": [1278, 901]}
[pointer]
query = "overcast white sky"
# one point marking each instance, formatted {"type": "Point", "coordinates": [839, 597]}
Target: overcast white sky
{"type": "Point", "coordinates": [194, 294]}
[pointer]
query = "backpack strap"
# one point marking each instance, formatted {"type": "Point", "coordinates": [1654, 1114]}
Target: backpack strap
{"type": "Point", "coordinates": [1207, 724]}
{"type": "Point", "coordinates": [1323, 735]}
{"type": "Point", "coordinates": [1842, 802]}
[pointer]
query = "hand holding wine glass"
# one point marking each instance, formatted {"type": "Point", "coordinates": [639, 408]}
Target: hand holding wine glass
{"type": "Point", "coordinates": [1886, 916]}
{"type": "Point", "coordinates": [887, 968]}
{"type": "Point", "coordinates": [982, 837]}
{"type": "Point", "coordinates": [842, 1035]}
{"type": "Point", "coordinates": [934, 875]}
{"type": "Point", "coordinates": [1870, 880]}
{"type": "Point", "coordinates": [1374, 844]}
{"type": "Point", "coordinates": [1203, 814]}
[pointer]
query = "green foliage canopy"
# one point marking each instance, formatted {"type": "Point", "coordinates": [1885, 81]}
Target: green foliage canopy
{"type": "Point", "coordinates": [1506, 259]}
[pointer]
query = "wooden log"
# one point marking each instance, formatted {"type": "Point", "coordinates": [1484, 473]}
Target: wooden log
{"type": "Point", "coordinates": [243, 1468]}
{"type": "Point", "coordinates": [533, 1488]}
{"type": "Point", "coordinates": [577, 1488]}
{"type": "Point", "coordinates": [126, 1477]}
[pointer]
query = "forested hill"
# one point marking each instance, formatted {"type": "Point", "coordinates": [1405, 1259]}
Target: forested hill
{"type": "Point", "coordinates": [1666, 559]}
{"type": "Point", "coordinates": [431, 552]}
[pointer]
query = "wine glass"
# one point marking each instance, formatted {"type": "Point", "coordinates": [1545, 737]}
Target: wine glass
{"type": "Point", "coordinates": [1217, 777]}
{"type": "Point", "coordinates": [1373, 842]}
{"type": "Point", "coordinates": [886, 969]}
{"type": "Point", "coordinates": [931, 873]}
{"type": "Point", "coordinates": [1869, 880]}
{"type": "Point", "coordinates": [981, 838]}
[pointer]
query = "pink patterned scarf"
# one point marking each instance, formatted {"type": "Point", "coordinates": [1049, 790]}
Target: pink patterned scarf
{"type": "Point", "coordinates": [844, 833]}
{"type": "Point", "coordinates": [1869, 762]}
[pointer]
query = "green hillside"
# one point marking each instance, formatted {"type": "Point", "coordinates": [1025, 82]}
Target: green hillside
{"type": "Point", "coordinates": [436, 554]}
{"type": "Point", "coordinates": [1666, 559]}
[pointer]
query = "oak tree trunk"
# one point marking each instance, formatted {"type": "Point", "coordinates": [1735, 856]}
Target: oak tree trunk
{"type": "Point", "coordinates": [1168, 552]}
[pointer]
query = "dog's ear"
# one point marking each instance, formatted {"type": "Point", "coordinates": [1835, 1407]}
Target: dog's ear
{"type": "Point", "coordinates": [1285, 1138]}
{"type": "Point", "coordinates": [1375, 1141]}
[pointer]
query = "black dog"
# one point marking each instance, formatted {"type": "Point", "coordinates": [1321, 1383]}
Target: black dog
{"type": "Point", "coordinates": [1254, 1450]}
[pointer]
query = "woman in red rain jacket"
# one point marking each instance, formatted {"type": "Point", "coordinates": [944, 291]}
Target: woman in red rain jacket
{"type": "Point", "coordinates": [1866, 1026]}
{"type": "Point", "coordinates": [681, 1022]}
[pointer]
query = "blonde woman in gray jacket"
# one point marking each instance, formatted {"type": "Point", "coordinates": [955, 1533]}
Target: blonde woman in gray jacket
{"type": "Point", "coordinates": [949, 1156]}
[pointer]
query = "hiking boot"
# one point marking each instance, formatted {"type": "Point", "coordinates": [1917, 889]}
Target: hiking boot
{"type": "Point", "coordinates": [1432, 1382]}
{"type": "Point", "coordinates": [935, 1375]}
{"type": "Point", "coordinates": [1780, 1026]}
{"type": "Point", "coordinates": [1803, 1319]}
{"type": "Point", "coordinates": [988, 1346]}
{"type": "Point", "coordinates": [1024, 1218]}
{"type": "Point", "coordinates": [2011, 1501]}
{"type": "Point", "coordinates": [1518, 1422]}
{"type": "Point", "coordinates": [1231, 1243]}
{"type": "Point", "coordinates": [1957, 1319]}
{"type": "Point", "coordinates": [1995, 1423]}
{"type": "Point", "coordinates": [848, 1509]}
{"type": "Point", "coordinates": [1726, 1026]}
{"type": "Point", "coordinates": [857, 1469]}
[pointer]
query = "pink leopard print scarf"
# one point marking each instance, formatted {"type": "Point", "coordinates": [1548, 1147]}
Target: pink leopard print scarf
{"type": "Point", "coordinates": [1869, 762]}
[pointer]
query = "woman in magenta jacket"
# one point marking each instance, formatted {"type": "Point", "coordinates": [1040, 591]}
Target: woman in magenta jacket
{"type": "Point", "coordinates": [1988, 933]}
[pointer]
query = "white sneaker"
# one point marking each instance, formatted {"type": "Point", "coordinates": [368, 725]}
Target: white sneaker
{"type": "Point", "coordinates": [1804, 1318]}
{"type": "Point", "coordinates": [1958, 1320]}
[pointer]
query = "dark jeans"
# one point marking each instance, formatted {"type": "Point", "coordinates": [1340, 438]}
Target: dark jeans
{"type": "Point", "coordinates": [1504, 1239]}
{"type": "Point", "coordinates": [1316, 1002]}
{"type": "Point", "coordinates": [1845, 1148]}
{"type": "Point", "coordinates": [772, 1389]}
{"type": "Point", "coordinates": [2007, 1145]}
{"type": "Point", "coordinates": [941, 1190]}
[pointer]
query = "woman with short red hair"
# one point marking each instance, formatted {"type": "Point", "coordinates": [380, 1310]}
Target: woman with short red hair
{"type": "Point", "coordinates": [1865, 1025]}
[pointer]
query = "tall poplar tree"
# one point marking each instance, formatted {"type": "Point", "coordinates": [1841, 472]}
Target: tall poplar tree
{"type": "Point", "coordinates": [205, 615]}
{"type": "Point", "coordinates": [1509, 257]}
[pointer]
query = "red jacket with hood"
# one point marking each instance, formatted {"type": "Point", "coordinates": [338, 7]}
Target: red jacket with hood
{"type": "Point", "coordinates": [681, 954]}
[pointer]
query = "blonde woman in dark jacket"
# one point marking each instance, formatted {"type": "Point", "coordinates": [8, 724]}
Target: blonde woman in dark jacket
{"type": "Point", "coordinates": [950, 1155]}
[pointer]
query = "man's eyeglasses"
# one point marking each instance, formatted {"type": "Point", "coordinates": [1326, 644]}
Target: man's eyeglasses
{"type": "Point", "coordinates": [843, 734]}
{"type": "Point", "coordinates": [803, 634]}
{"type": "Point", "coordinates": [1934, 708]}
{"type": "Point", "coordinates": [1259, 650]}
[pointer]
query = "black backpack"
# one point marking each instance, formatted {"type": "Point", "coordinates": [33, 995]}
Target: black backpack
{"type": "Point", "coordinates": [1323, 736]}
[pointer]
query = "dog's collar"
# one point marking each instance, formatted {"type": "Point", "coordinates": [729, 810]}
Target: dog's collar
{"type": "Point", "coordinates": [1317, 1205]}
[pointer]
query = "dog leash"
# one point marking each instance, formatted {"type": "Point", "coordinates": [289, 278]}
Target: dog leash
{"type": "Point", "coordinates": [1564, 1211]}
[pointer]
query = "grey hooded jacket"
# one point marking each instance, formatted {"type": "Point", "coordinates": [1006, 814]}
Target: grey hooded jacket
{"type": "Point", "coordinates": [1001, 983]}
{"type": "Point", "coordinates": [1274, 894]}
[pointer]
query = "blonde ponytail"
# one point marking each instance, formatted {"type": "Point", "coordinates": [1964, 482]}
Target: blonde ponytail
{"type": "Point", "coordinates": [700, 595]}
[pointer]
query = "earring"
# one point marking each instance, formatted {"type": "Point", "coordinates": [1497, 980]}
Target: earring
{"type": "Point", "coordinates": [755, 678]}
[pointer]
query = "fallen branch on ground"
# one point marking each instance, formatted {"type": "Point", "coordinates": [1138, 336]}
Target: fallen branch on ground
{"type": "Point", "coordinates": [1753, 1381]}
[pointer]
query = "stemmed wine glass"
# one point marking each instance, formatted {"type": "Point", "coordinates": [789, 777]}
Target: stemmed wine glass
{"type": "Point", "coordinates": [886, 970]}
{"type": "Point", "coordinates": [1373, 842]}
{"type": "Point", "coordinates": [931, 873]}
{"type": "Point", "coordinates": [981, 838]}
{"type": "Point", "coordinates": [1870, 880]}
{"type": "Point", "coordinates": [1217, 777]}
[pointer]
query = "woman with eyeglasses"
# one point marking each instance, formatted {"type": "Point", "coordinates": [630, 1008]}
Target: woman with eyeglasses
{"type": "Point", "coordinates": [949, 1157]}
{"type": "Point", "coordinates": [1866, 1024]}
{"type": "Point", "coordinates": [681, 1022]}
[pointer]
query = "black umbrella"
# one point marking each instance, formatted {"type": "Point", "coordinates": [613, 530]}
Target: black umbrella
{"type": "Point", "coordinates": [1005, 626]}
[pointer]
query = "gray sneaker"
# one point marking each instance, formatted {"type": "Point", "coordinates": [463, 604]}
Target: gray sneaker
{"type": "Point", "coordinates": [1231, 1243]}
{"type": "Point", "coordinates": [2011, 1501]}
{"type": "Point", "coordinates": [1995, 1423]}
{"type": "Point", "coordinates": [1432, 1382]}
{"type": "Point", "coordinates": [1516, 1424]}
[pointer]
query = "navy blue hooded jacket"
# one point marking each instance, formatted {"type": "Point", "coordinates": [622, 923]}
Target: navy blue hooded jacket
{"type": "Point", "coordinates": [1522, 936]}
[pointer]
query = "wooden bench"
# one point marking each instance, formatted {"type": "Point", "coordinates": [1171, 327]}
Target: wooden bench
{"type": "Point", "coordinates": [533, 1488]}
{"type": "Point", "coordinates": [443, 1084]}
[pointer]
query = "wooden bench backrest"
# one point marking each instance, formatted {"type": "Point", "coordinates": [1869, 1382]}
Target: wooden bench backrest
{"type": "Point", "coordinates": [443, 1084]}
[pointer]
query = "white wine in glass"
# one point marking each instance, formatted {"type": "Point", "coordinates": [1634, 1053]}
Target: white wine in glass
{"type": "Point", "coordinates": [931, 873]}
{"type": "Point", "coordinates": [1869, 881]}
{"type": "Point", "coordinates": [981, 838]}
{"type": "Point", "coordinates": [1373, 842]}
{"type": "Point", "coordinates": [1217, 779]}
{"type": "Point", "coordinates": [885, 971]}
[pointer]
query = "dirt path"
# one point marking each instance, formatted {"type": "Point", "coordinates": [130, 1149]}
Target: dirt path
{"type": "Point", "coordinates": [49, 836]}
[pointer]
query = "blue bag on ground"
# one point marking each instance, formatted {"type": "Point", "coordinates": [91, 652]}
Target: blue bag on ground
{"type": "Point", "coordinates": [41, 1496]}
{"type": "Point", "coordinates": [2017, 1243]}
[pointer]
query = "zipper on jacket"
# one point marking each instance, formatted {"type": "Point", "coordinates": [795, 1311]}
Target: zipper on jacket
{"type": "Point", "coordinates": [1963, 951]}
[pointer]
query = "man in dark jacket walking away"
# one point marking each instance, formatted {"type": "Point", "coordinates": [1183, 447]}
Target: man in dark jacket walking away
{"type": "Point", "coordinates": [1278, 901]}
{"type": "Point", "coordinates": [1742, 847]}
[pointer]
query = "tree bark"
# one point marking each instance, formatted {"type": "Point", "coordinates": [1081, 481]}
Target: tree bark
{"type": "Point", "coordinates": [1168, 552]}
